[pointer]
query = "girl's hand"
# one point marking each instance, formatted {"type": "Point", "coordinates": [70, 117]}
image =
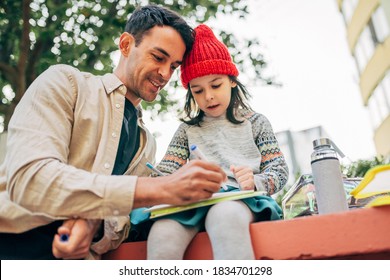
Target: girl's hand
{"type": "Point", "coordinates": [244, 176]}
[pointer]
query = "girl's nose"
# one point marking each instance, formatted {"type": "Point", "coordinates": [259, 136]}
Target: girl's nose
{"type": "Point", "coordinates": [209, 96]}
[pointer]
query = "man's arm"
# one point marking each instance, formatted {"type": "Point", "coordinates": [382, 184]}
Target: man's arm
{"type": "Point", "coordinates": [196, 180]}
{"type": "Point", "coordinates": [39, 178]}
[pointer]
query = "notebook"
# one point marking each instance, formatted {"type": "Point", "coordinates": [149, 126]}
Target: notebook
{"type": "Point", "coordinates": [166, 209]}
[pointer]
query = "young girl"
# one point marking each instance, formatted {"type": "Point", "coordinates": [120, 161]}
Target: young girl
{"type": "Point", "coordinates": [221, 123]}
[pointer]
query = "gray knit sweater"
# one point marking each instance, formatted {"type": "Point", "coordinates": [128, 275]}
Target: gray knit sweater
{"type": "Point", "coordinates": [251, 143]}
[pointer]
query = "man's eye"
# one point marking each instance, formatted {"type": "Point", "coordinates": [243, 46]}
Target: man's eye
{"type": "Point", "coordinates": [158, 58]}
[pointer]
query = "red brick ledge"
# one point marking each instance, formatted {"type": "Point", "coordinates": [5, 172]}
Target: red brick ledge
{"type": "Point", "coordinates": [356, 234]}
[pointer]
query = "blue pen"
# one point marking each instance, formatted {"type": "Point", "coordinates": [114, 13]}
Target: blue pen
{"type": "Point", "coordinates": [149, 165]}
{"type": "Point", "coordinates": [197, 152]}
{"type": "Point", "coordinates": [199, 155]}
{"type": "Point", "coordinates": [64, 237]}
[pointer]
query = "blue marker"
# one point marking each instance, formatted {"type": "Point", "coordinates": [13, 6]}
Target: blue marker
{"type": "Point", "coordinates": [64, 237]}
{"type": "Point", "coordinates": [199, 155]}
{"type": "Point", "coordinates": [149, 165]}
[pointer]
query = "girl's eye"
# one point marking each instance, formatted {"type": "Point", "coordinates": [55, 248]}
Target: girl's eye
{"type": "Point", "coordinates": [216, 86]}
{"type": "Point", "coordinates": [197, 91]}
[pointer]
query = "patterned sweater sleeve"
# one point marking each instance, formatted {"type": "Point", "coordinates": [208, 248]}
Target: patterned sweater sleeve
{"type": "Point", "coordinates": [273, 167]}
{"type": "Point", "coordinates": [177, 153]}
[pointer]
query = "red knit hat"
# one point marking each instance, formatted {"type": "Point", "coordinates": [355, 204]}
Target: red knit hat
{"type": "Point", "coordinates": [208, 56]}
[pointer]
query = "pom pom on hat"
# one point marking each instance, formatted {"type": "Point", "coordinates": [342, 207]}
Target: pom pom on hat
{"type": "Point", "coordinates": [208, 56]}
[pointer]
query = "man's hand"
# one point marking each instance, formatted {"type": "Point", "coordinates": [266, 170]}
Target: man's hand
{"type": "Point", "coordinates": [244, 176]}
{"type": "Point", "coordinates": [80, 233]}
{"type": "Point", "coordinates": [194, 181]}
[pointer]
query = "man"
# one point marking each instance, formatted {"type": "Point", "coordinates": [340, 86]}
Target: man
{"type": "Point", "coordinates": [77, 144]}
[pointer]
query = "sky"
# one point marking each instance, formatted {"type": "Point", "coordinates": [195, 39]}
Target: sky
{"type": "Point", "coordinates": [304, 43]}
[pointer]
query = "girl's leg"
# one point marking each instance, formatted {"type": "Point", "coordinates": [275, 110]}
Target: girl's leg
{"type": "Point", "coordinates": [168, 240]}
{"type": "Point", "coordinates": [227, 224]}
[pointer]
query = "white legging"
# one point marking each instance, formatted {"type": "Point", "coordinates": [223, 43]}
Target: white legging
{"type": "Point", "coordinates": [227, 224]}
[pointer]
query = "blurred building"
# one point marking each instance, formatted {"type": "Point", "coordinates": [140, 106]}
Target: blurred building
{"type": "Point", "coordinates": [297, 147]}
{"type": "Point", "coordinates": [368, 34]}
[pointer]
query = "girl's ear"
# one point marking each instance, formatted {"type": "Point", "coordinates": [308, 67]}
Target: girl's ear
{"type": "Point", "coordinates": [234, 84]}
{"type": "Point", "coordinates": [126, 42]}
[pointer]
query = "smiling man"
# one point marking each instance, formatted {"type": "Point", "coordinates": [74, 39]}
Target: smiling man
{"type": "Point", "coordinates": [77, 149]}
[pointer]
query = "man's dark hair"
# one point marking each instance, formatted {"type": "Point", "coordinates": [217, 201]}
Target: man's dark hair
{"type": "Point", "coordinates": [145, 18]}
{"type": "Point", "coordinates": [239, 99]}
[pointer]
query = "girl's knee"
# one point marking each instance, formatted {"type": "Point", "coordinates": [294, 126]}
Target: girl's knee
{"type": "Point", "coordinates": [230, 209]}
{"type": "Point", "coordinates": [228, 214]}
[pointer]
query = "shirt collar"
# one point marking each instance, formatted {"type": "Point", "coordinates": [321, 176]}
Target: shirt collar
{"type": "Point", "coordinates": [112, 82]}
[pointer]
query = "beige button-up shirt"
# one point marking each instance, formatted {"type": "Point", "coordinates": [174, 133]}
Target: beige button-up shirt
{"type": "Point", "coordinates": [61, 149]}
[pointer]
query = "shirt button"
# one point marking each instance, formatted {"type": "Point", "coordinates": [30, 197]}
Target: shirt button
{"type": "Point", "coordinates": [117, 105]}
{"type": "Point", "coordinates": [106, 165]}
{"type": "Point", "coordinates": [113, 134]}
{"type": "Point", "coordinates": [116, 212]}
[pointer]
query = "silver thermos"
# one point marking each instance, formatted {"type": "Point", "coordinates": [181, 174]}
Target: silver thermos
{"type": "Point", "coordinates": [329, 188]}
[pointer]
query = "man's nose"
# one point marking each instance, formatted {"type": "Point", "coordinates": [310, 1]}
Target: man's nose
{"type": "Point", "coordinates": [165, 72]}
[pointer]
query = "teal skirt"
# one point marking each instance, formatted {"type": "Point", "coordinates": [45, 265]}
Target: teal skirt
{"type": "Point", "coordinates": [264, 207]}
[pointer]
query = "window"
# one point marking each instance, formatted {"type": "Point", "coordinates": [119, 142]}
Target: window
{"type": "Point", "coordinates": [386, 87]}
{"type": "Point", "coordinates": [379, 102]}
{"type": "Point", "coordinates": [348, 7]}
{"type": "Point", "coordinates": [380, 24]}
{"type": "Point", "coordinates": [374, 113]}
{"type": "Point", "coordinates": [364, 48]}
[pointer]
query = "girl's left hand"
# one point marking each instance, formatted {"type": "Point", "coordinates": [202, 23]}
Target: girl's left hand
{"type": "Point", "coordinates": [244, 176]}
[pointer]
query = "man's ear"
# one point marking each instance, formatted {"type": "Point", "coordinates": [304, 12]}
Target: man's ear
{"type": "Point", "coordinates": [126, 42]}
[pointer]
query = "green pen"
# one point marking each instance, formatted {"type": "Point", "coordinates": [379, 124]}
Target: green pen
{"type": "Point", "coordinates": [149, 165]}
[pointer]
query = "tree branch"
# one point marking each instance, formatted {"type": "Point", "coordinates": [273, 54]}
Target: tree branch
{"type": "Point", "coordinates": [24, 51]}
{"type": "Point", "coordinates": [3, 108]}
{"type": "Point", "coordinates": [6, 68]}
{"type": "Point", "coordinates": [25, 40]}
{"type": "Point", "coordinates": [40, 46]}
{"type": "Point", "coordinates": [9, 72]}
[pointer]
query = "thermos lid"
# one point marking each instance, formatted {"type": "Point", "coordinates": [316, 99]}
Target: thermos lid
{"type": "Point", "coordinates": [327, 142]}
{"type": "Point", "coordinates": [321, 142]}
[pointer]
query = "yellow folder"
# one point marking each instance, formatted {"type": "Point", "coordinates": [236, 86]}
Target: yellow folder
{"type": "Point", "coordinates": [375, 182]}
{"type": "Point", "coordinates": [166, 209]}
